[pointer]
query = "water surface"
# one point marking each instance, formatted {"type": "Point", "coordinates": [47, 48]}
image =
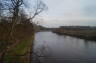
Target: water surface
{"type": "Point", "coordinates": [64, 49]}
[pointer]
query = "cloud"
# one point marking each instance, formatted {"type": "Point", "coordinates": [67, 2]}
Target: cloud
{"type": "Point", "coordinates": [68, 11]}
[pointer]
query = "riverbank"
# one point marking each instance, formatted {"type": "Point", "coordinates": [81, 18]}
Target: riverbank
{"type": "Point", "coordinates": [83, 34]}
{"type": "Point", "coordinates": [18, 49]}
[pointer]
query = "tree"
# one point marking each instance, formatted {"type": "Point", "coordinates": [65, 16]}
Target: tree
{"type": "Point", "coordinates": [14, 8]}
{"type": "Point", "coordinates": [1, 7]}
{"type": "Point", "coordinates": [39, 7]}
{"type": "Point", "coordinates": [23, 17]}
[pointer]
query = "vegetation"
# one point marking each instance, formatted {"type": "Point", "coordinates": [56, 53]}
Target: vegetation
{"type": "Point", "coordinates": [17, 30]}
{"type": "Point", "coordinates": [89, 34]}
{"type": "Point", "coordinates": [22, 42]}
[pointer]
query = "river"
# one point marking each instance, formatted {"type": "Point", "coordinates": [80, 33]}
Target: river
{"type": "Point", "coordinates": [54, 48]}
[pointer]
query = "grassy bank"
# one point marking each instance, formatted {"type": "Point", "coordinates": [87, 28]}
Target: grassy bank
{"type": "Point", "coordinates": [18, 49]}
{"type": "Point", "coordinates": [84, 34]}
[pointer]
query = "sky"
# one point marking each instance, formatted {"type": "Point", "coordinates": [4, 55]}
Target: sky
{"type": "Point", "coordinates": [69, 12]}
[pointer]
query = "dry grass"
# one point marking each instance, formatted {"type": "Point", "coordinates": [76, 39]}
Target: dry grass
{"type": "Point", "coordinates": [85, 34]}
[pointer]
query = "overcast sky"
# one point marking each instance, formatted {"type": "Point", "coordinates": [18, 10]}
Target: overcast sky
{"type": "Point", "coordinates": [69, 12]}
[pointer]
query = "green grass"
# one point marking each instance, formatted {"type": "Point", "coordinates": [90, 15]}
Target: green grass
{"type": "Point", "coordinates": [20, 49]}
{"type": "Point", "coordinates": [23, 46]}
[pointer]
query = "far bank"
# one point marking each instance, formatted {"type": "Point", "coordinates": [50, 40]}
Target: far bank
{"type": "Point", "coordinates": [83, 32]}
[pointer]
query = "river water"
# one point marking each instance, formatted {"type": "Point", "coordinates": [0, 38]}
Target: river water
{"type": "Point", "coordinates": [54, 48]}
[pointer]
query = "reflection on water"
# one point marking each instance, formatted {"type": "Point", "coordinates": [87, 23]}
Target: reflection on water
{"type": "Point", "coordinates": [64, 49]}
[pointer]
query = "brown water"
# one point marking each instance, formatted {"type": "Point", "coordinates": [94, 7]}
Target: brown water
{"type": "Point", "coordinates": [64, 49]}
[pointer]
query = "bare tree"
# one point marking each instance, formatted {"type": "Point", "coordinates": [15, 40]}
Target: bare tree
{"type": "Point", "coordinates": [13, 6]}
{"type": "Point", "coordinates": [1, 6]}
{"type": "Point", "coordinates": [23, 17]}
{"type": "Point", "coordinates": [39, 7]}
{"type": "Point", "coordinates": [14, 9]}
